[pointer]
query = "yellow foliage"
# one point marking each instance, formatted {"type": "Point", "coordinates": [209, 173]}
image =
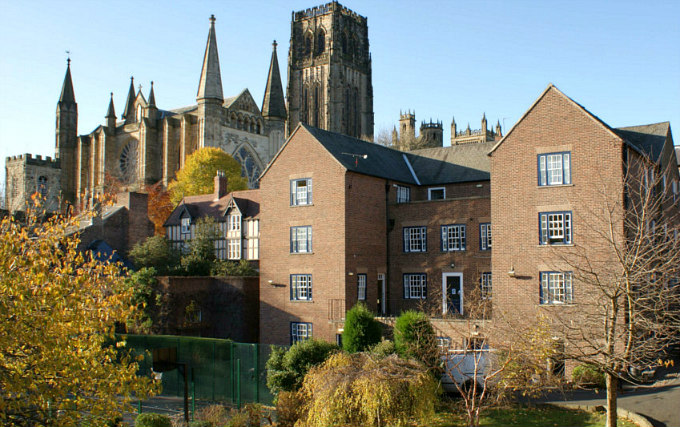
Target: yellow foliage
{"type": "Point", "coordinates": [198, 173]}
{"type": "Point", "coordinates": [58, 311]}
{"type": "Point", "coordinates": [355, 389]}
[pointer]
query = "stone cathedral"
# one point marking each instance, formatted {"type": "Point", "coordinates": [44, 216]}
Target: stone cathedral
{"type": "Point", "coordinates": [329, 86]}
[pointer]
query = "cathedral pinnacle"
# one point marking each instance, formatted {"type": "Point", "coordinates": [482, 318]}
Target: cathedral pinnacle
{"type": "Point", "coordinates": [210, 84]}
{"type": "Point", "coordinates": [274, 104]}
{"type": "Point", "coordinates": [152, 97]}
{"type": "Point", "coordinates": [111, 112]}
{"type": "Point", "coordinates": [67, 95]}
{"type": "Point", "coordinates": [129, 113]}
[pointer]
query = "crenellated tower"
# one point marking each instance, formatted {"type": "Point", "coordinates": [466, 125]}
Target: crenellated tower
{"type": "Point", "coordinates": [329, 71]}
{"type": "Point", "coordinates": [66, 136]}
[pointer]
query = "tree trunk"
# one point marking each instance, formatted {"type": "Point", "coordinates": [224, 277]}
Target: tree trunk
{"type": "Point", "coordinates": [612, 389]}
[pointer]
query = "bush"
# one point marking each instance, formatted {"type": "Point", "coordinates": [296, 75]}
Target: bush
{"type": "Point", "coordinates": [213, 415]}
{"type": "Point", "coordinates": [288, 408]}
{"type": "Point", "coordinates": [201, 424]}
{"type": "Point", "coordinates": [152, 420]}
{"type": "Point", "coordinates": [414, 338]}
{"type": "Point", "coordinates": [358, 390]}
{"type": "Point", "coordinates": [233, 268]}
{"type": "Point", "coordinates": [287, 368]}
{"type": "Point", "coordinates": [383, 349]}
{"type": "Point", "coordinates": [155, 252]}
{"type": "Point", "coordinates": [361, 330]}
{"type": "Point", "coordinates": [588, 376]}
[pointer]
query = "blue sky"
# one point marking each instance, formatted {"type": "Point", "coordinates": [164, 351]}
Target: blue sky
{"type": "Point", "coordinates": [619, 59]}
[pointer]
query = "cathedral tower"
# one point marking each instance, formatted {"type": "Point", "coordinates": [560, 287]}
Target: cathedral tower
{"type": "Point", "coordinates": [66, 136]}
{"type": "Point", "coordinates": [209, 96]}
{"type": "Point", "coordinates": [329, 71]}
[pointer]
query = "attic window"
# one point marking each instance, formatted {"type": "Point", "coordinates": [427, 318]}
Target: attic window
{"type": "Point", "coordinates": [438, 193]}
{"type": "Point", "coordinates": [186, 225]}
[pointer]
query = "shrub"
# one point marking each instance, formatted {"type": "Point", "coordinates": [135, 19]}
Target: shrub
{"type": "Point", "coordinates": [233, 268]}
{"type": "Point", "coordinates": [248, 416]}
{"type": "Point", "coordinates": [214, 415]}
{"type": "Point", "coordinates": [287, 368]}
{"type": "Point", "coordinates": [361, 330]}
{"type": "Point", "coordinates": [152, 420]}
{"type": "Point", "coordinates": [358, 390]}
{"type": "Point", "coordinates": [588, 376]}
{"type": "Point", "coordinates": [383, 349]}
{"type": "Point", "coordinates": [288, 408]}
{"type": "Point", "coordinates": [414, 338]}
{"type": "Point", "coordinates": [201, 424]}
{"type": "Point", "coordinates": [155, 252]}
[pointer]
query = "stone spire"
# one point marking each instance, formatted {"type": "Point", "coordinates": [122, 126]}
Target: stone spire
{"type": "Point", "coordinates": [67, 96]}
{"type": "Point", "coordinates": [152, 97]}
{"type": "Point", "coordinates": [129, 111]}
{"type": "Point", "coordinates": [274, 104]}
{"type": "Point", "coordinates": [111, 112]}
{"type": "Point", "coordinates": [210, 85]}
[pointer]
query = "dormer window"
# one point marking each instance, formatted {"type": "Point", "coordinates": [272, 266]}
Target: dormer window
{"type": "Point", "coordinates": [185, 225]}
{"type": "Point", "coordinates": [234, 223]}
{"type": "Point", "coordinates": [437, 193]}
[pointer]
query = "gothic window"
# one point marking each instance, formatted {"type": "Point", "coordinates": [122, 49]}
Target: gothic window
{"type": "Point", "coordinates": [320, 45]}
{"type": "Point", "coordinates": [308, 43]}
{"type": "Point", "coordinates": [128, 162]}
{"type": "Point", "coordinates": [249, 166]}
{"type": "Point", "coordinates": [317, 111]}
{"type": "Point", "coordinates": [305, 105]}
{"type": "Point", "coordinates": [42, 187]}
{"type": "Point", "coordinates": [344, 43]}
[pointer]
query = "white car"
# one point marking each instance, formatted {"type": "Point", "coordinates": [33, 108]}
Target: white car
{"type": "Point", "coordinates": [462, 367]}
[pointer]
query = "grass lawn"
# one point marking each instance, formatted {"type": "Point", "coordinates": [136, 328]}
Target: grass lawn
{"type": "Point", "coordinates": [541, 416]}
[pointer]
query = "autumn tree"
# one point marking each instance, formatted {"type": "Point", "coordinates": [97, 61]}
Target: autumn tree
{"type": "Point", "coordinates": [160, 206]}
{"type": "Point", "coordinates": [58, 311]}
{"type": "Point", "coordinates": [627, 272]}
{"type": "Point", "coordinates": [198, 173]}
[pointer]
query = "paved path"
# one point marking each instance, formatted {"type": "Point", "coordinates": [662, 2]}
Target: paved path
{"type": "Point", "coordinates": [659, 402]}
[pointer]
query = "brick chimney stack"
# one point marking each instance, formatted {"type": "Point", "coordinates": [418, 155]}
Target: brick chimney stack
{"type": "Point", "coordinates": [220, 185]}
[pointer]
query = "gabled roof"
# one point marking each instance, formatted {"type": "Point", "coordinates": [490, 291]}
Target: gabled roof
{"type": "Point", "coordinates": [649, 139]}
{"type": "Point", "coordinates": [248, 202]}
{"type": "Point", "coordinates": [460, 163]}
{"type": "Point", "coordinates": [243, 101]}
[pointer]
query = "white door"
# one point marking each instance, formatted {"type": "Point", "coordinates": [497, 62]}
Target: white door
{"type": "Point", "coordinates": [452, 293]}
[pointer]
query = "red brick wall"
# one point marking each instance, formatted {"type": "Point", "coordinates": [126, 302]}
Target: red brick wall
{"type": "Point", "coordinates": [470, 211]}
{"type": "Point", "coordinates": [554, 124]}
{"type": "Point", "coordinates": [303, 157]}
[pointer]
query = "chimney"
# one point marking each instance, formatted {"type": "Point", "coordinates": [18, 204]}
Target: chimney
{"type": "Point", "coordinates": [220, 185]}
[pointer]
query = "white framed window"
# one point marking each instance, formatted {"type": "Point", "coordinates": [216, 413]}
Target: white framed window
{"type": "Point", "coordinates": [415, 239]}
{"type": "Point", "coordinates": [185, 226]}
{"type": "Point", "coordinates": [361, 287]}
{"type": "Point", "coordinates": [301, 239]}
{"type": "Point", "coordinates": [556, 287]}
{"type": "Point", "coordinates": [300, 331]}
{"type": "Point", "coordinates": [403, 194]}
{"type": "Point", "coordinates": [485, 285]}
{"type": "Point", "coordinates": [300, 287]}
{"type": "Point", "coordinates": [234, 249]}
{"type": "Point", "coordinates": [485, 236]}
{"type": "Point", "coordinates": [555, 228]}
{"type": "Point", "coordinates": [415, 286]}
{"type": "Point", "coordinates": [554, 168]}
{"type": "Point", "coordinates": [234, 223]}
{"type": "Point", "coordinates": [301, 192]}
{"type": "Point", "coordinates": [443, 343]}
{"type": "Point", "coordinates": [436, 193]}
{"type": "Point", "coordinates": [453, 237]}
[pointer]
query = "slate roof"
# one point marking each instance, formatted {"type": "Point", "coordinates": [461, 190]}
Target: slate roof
{"type": "Point", "coordinates": [442, 165]}
{"type": "Point", "coordinates": [649, 139]}
{"type": "Point", "coordinates": [457, 163]}
{"type": "Point", "coordinates": [248, 202]}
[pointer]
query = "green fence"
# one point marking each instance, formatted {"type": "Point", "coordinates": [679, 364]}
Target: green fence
{"type": "Point", "coordinates": [218, 369]}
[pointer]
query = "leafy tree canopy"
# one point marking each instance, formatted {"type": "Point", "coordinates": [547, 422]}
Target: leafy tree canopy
{"type": "Point", "coordinates": [197, 175]}
{"type": "Point", "coordinates": [58, 311]}
{"type": "Point", "coordinates": [361, 330]}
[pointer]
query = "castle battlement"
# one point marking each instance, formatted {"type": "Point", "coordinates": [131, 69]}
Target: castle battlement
{"type": "Point", "coordinates": [38, 160]}
{"type": "Point", "coordinates": [431, 125]}
{"type": "Point", "coordinates": [328, 8]}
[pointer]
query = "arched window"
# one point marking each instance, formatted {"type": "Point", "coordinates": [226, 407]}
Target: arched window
{"type": "Point", "coordinates": [308, 43]}
{"type": "Point", "coordinates": [316, 113]}
{"type": "Point", "coordinates": [320, 45]}
{"type": "Point", "coordinates": [249, 166]}
{"type": "Point", "coordinates": [41, 188]}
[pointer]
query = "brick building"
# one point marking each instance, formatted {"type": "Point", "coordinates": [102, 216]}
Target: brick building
{"type": "Point", "coordinates": [344, 220]}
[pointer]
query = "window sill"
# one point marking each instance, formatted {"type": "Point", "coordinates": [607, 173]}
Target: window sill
{"type": "Point", "coordinates": [458, 250]}
{"type": "Point", "coordinates": [302, 253]}
{"type": "Point", "coordinates": [302, 301]}
{"type": "Point", "coordinates": [558, 304]}
{"type": "Point", "coordinates": [568, 245]}
{"type": "Point", "coordinates": [555, 186]}
{"type": "Point", "coordinates": [302, 206]}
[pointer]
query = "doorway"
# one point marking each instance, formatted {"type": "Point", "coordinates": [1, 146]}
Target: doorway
{"type": "Point", "coordinates": [452, 293]}
{"type": "Point", "coordinates": [382, 292]}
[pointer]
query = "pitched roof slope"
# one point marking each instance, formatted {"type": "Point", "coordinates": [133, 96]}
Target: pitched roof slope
{"type": "Point", "coordinates": [248, 202]}
{"type": "Point", "coordinates": [457, 163]}
{"type": "Point", "coordinates": [380, 161]}
{"type": "Point", "coordinates": [649, 139]}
